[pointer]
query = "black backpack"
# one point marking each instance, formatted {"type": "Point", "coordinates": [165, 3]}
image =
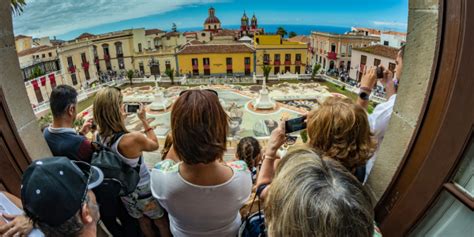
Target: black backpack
{"type": "Point", "coordinates": [120, 179]}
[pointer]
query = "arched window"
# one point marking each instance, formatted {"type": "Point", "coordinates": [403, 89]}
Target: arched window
{"type": "Point", "coordinates": [119, 49]}
{"type": "Point", "coordinates": [140, 47]}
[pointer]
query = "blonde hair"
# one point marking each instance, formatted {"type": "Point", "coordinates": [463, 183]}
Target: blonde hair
{"type": "Point", "coordinates": [340, 129]}
{"type": "Point", "coordinates": [311, 196]}
{"type": "Point", "coordinates": [107, 111]}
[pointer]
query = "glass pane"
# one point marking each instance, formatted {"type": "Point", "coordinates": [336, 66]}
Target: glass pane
{"type": "Point", "coordinates": [465, 175]}
{"type": "Point", "coordinates": [448, 217]}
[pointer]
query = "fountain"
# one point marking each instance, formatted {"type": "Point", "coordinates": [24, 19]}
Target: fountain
{"type": "Point", "coordinates": [160, 103]}
{"type": "Point", "coordinates": [263, 101]}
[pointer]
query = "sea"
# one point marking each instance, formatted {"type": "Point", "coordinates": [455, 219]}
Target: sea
{"type": "Point", "coordinates": [298, 29]}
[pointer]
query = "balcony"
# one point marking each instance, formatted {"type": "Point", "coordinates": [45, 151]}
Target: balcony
{"type": "Point", "coordinates": [298, 63]}
{"type": "Point", "coordinates": [229, 67]}
{"type": "Point", "coordinates": [332, 55]}
{"type": "Point", "coordinates": [206, 66]}
{"type": "Point", "coordinates": [106, 57]}
{"type": "Point", "coordinates": [195, 67]}
{"type": "Point", "coordinates": [277, 63]}
{"type": "Point", "coordinates": [287, 62]}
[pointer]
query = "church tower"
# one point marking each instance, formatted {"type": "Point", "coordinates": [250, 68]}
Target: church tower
{"type": "Point", "coordinates": [254, 23]}
{"type": "Point", "coordinates": [244, 23]}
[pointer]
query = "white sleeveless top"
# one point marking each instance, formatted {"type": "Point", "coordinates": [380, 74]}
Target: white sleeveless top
{"type": "Point", "coordinates": [133, 162]}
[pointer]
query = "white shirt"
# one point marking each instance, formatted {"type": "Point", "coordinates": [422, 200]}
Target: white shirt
{"type": "Point", "coordinates": [378, 121]}
{"type": "Point", "coordinates": [196, 210]}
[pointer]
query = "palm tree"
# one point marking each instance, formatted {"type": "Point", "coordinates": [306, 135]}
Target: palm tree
{"type": "Point", "coordinates": [281, 31]}
{"type": "Point", "coordinates": [130, 76]}
{"type": "Point", "coordinates": [17, 6]}
{"type": "Point", "coordinates": [170, 73]}
{"type": "Point", "coordinates": [266, 71]}
{"type": "Point", "coordinates": [315, 70]}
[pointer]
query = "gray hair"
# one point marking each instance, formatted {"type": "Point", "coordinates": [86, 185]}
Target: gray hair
{"type": "Point", "coordinates": [310, 196]}
{"type": "Point", "coordinates": [72, 227]}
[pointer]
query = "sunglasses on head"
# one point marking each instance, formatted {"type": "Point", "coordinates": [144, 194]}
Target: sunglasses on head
{"type": "Point", "coordinates": [213, 91]}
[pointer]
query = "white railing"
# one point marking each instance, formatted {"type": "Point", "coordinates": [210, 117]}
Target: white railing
{"type": "Point", "coordinates": [351, 88]}
{"type": "Point", "coordinates": [83, 95]}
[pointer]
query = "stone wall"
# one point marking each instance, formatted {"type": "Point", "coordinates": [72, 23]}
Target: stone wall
{"type": "Point", "coordinates": [414, 87]}
{"type": "Point", "coordinates": [14, 90]}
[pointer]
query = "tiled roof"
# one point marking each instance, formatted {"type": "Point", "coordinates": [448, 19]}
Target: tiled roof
{"type": "Point", "coordinates": [225, 33]}
{"type": "Point", "coordinates": [300, 38]}
{"type": "Point", "coordinates": [85, 35]}
{"type": "Point", "coordinates": [153, 31]}
{"type": "Point", "coordinates": [21, 37]}
{"type": "Point", "coordinates": [214, 48]}
{"type": "Point", "coordinates": [380, 50]}
{"type": "Point", "coordinates": [394, 33]}
{"type": "Point", "coordinates": [171, 34]}
{"type": "Point", "coordinates": [34, 50]}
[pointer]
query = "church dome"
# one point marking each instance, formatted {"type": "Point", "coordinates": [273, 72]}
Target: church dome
{"type": "Point", "coordinates": [244, 17]}
{"type": "Point", "coordinates": [212, 19]}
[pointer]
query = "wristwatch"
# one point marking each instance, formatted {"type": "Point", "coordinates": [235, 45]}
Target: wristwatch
{"type": "Point", "coordinates": [364, 95]}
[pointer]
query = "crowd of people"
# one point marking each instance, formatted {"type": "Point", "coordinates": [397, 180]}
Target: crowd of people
{"type": "Point", "coordinates": [316, 189]}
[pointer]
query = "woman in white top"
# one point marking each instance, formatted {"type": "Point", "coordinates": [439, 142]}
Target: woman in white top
{"type": "Point", "coordinates": [201, 194]}
{"type": "Point", "coordinates": [109, 114]}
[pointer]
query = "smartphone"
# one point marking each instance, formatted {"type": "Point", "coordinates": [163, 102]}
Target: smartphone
{"type": "Point", "coordinates": [132, 108]}
{"type": "Point", "coordinates": [294, 125]}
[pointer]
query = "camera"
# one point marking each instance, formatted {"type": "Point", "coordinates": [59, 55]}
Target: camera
{"type": "Point", "coordinates": [132, 108]}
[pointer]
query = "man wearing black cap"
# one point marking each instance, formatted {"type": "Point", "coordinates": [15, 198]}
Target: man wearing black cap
{"type": "Point", "coordinates": [56, 195]}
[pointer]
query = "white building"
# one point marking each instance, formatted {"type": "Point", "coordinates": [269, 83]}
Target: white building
{"type": "Point", "coordinates": [374, 55]}
{"type": "Point", "coordinates": [393, 39]}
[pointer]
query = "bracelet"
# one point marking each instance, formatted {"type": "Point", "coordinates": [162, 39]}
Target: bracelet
{"type": "Point", "coordinates": [147, 130]}
{"type": "Point", "coordinates": [366, 89]}
{"type": "Point", "coordinates": [267, 157]}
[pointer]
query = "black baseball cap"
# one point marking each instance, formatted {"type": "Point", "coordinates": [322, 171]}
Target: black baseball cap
{"type": "Point", "coordinates": [53, 189]}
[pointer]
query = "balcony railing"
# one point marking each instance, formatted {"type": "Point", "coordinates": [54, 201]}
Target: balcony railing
{"type": "Point", "coordinates": [332, 55]}
{"type": "Point", "coordinates": [287, 62]}
{"type": "Point", "coordinates": [277, 62]}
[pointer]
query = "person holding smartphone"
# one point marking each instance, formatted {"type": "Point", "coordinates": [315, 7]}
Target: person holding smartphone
{"type": "Point", "coordinates": [110, 114]}
{"type": "Point", "coordinates": [339, 130]}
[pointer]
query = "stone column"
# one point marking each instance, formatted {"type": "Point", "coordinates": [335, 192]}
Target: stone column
{"type": "Point", "coordinates": [14, 90]}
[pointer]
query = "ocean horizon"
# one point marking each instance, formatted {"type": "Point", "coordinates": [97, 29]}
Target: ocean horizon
{"type": "Point", "coordinates": [298, 29]}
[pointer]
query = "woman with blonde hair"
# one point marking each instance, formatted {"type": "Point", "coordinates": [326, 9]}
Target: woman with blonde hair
{"type": "Point", "coordinates": [109, 114]}
{"type": "Point", "coordinates": [340, 129]}
{"type": "Point", "coordinates": [314, 196]}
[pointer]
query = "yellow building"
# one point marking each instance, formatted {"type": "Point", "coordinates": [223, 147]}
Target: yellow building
{"type": "Point", "coordinates": [282, 55]}
{"type": "Point", "coordinates": [216, 59]}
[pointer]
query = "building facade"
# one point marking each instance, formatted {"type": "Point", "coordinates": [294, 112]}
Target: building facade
{"type": "Point", "coordinates": [282, 55]}
{"type": "Point", "coordinates": [376, 55]}
{"type": "Point", "coordinates": [334, 51]}
{"type": "Point", "coordinates": [216, 60]}
{"type": "Point", "coordinates": [393, 39]}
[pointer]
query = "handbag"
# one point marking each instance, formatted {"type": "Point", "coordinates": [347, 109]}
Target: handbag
{"type": "Point", "coordinates": [254, 224]}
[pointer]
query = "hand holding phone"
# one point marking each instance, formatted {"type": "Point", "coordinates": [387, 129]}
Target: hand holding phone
{"type": "Point", "coordinates": [294, 125]}
{"type": "Point", "coordinates": [132, 108]}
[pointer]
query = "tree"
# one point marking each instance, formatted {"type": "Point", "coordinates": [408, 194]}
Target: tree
{"type": "Point", "coordinates": [266, 71]}
{"type": "Point", "coordinates": [174, 28]}
{"type": "Point", "coordinates": [17, 6]}
{"type": "Point", "coordinates": [292, 34]}
{"type": "Point", "coordinates": [37, 72]}
{"type": "Point", "coordinates": [130, 76]}
{"type": "Point", "coordinates": [281, 31]}
{"type": "Point", "coordinates": [170, 73]}
{"type": "Point", "coordinates": [315, 70]}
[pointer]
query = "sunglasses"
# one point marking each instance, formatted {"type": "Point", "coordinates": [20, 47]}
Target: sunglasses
{"type": "Point", "coordinates": [185, 91]}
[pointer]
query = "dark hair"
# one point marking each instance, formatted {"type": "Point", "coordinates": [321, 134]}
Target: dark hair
{"type": "Point", "coordinates": [248, 150]}
{"type": "Point", "coordinates": [199, 127]}
{"type": "Point", "coordinates": [319, 196]}
{"type": "Point", "coordinates": [61, 98]}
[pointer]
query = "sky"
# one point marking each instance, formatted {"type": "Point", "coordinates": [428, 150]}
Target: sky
{"type": "Point", "coordinates": [66, 19]}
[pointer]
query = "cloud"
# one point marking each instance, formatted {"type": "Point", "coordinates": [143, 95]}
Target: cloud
{"type": "Point", "coordinates": [390, 24]}
{"type": "Point", "coordinates": [56, 17]}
